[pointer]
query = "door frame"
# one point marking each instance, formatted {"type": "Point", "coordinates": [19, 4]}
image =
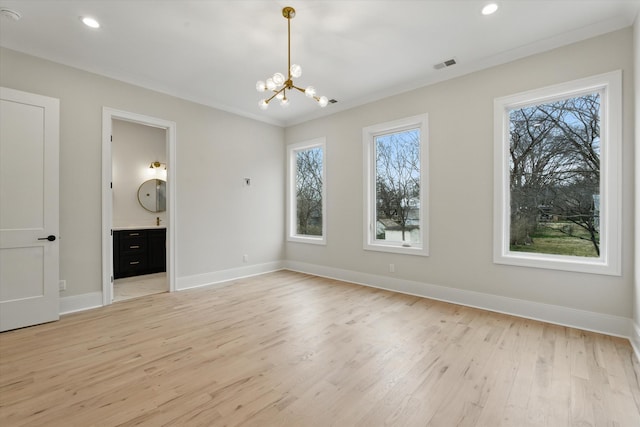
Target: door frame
{"type": "Point", "coordinates": [108, 115]}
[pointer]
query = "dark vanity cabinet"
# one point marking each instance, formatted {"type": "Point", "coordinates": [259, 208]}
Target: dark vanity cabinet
{"type": "Point", "coordinates": [137, 252]}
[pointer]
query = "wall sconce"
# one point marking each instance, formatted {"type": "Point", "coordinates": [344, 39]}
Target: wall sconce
{"type": "Point", "coordinates": [156, 165]}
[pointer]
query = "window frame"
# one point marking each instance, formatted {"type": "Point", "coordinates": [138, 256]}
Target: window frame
{"type": "Point", "coordinates": [369, 157]}
{"type": "Point", "coordinates": [292, 151]}
{"type": "Point", "coordinates": [609, 86]}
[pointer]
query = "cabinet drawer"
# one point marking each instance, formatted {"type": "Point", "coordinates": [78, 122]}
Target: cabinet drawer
{"type": "Point", "coordinates": [132, 242]}
{"type": "Point", "coordinates": [134, 234]}
{"type": "Point", "coordinates": [133, 263]}
{"type": "Point", "coordinates": [131, 246]}
{"type": "Point", "coordinates": [134, 238]}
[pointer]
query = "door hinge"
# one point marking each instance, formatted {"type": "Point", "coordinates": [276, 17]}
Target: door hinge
{"type": "Point", "coordinates": [111, 185]}
{"type": "Point", "coordinates": [112, 231]}
{"type": "Point", "coordinates": [111, 279]}
{"type": "Point", "coordinates": [111, 138]}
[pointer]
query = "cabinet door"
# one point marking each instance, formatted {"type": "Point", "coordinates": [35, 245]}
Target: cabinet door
{"type": "Point", "coordinates": [157, 250]}
{"type": "Point", "coordinates": [116, 254]}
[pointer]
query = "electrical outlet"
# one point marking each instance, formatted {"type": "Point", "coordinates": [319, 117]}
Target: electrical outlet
{"type": "Point", "coordinates": [62, 285]}
{"type": "Point", "coordinates": [245, 258]}
{"type": "Point", "coordinates": [392, 268]}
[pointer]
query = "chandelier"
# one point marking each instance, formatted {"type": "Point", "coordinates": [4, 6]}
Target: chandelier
{"type": "Point", "coordinates": [278, 84]}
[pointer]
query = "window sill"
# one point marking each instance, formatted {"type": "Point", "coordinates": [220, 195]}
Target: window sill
{"type": "Point", "coordinates": [558, 262]}
{"type": "Point", "coordinates": [397, 249]}
{"type": "Point", "coordinates": [309, 240]}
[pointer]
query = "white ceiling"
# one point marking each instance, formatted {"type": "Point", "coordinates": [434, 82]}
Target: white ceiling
{"type": "Point", "coordinates": [356, 51]}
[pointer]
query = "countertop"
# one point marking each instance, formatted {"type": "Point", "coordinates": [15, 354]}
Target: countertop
{"type": "Point", "coordinates": [140, 227]}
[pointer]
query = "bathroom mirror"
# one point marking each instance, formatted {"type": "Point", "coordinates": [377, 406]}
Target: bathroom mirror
{"type": "Point", "coordinates": [152, 195]}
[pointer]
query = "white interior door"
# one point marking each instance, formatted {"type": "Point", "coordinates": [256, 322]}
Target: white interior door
{"type": "Point", "coordinates": [29, 217]}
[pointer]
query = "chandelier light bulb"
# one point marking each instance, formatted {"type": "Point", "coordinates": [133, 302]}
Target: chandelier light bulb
{"type": "Point", "coordinates": [310, 91]}
{"type": "Point", "coordinates": [281, 84]}
{"type": "Point", "coordinates": [278, 79]}
{"type": "Point", "coordinates": [271, 85]}
{"type": "Point", "coordinates": [296, 71]}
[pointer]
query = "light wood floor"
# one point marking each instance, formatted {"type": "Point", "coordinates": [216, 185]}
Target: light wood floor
{"type": "Point", "coordinates": [139, 286]}
{"type": "Point", "coordinates": [287, 349]}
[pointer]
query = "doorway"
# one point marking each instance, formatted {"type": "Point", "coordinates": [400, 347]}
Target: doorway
{"type": "Point", "coordinates": [130, 217]}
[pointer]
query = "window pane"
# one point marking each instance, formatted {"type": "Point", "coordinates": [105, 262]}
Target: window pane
{"type": "Point", "coordinates": [398, 187]}
{"type": "Point", "coordinates": [309, 192]}
{"type": "Point", "coordinates": [555, 177]}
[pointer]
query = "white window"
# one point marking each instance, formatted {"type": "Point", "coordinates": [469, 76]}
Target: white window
{"type": "Point", "coordinates": [395, 186]}
{"type": "Point", "coordinates": [306, 201]}
{"type": "Point", "coordinates": [557, 176]}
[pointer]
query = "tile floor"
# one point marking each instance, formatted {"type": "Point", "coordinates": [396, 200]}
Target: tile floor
{"type": "Point", "coordinates": [138, 286]}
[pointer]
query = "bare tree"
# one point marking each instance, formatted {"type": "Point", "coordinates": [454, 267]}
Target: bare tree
{"type": "Point", "coordinates": [309, 192]}
{"type": "Point", "coordinates": [555, 166]}
{"type": "Point", "coordinates": [398, 178]}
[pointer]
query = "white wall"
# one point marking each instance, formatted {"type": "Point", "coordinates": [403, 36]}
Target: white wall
{"type": "Point", "coordinates": [133, 148]}
{"type": "Point", "coordinates": [461, 173]}
{"type": "Point", "coordinates": [217, 219]}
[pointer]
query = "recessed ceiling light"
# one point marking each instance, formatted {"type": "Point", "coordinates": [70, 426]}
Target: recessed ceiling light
{"type": "Point", "coordinates": [90, 22]}
{"type": "Point", "coordinates": [489, 9]}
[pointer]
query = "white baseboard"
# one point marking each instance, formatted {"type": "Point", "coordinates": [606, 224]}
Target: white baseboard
{"type": "Point", "coordinates": [635, 339]}
{"type": "Point", "coordinates": [215, 277]}
{"type": "Point", "coordinates": [581, 319]}
{"type": "Point", "coordinates": [80, 302]}
{"type": "Point", "coordinates": [91, 300]}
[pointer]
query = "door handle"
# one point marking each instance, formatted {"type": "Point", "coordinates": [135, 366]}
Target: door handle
{"type": "Point", "coordinates": [50, 238]}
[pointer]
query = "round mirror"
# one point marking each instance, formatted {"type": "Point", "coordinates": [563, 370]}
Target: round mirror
{"type": "Point", "coordinates": [152, 195]}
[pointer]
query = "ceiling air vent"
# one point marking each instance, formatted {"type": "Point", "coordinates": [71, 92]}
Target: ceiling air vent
{"type": "Point", "coordinates": [445, 64]}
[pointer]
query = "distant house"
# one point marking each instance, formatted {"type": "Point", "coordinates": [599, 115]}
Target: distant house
{"type": "Point", "coordinates": [388, 229]}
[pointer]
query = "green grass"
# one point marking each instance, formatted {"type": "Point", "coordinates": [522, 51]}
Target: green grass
{"type": "Point", "coordinates": [547, 239]}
